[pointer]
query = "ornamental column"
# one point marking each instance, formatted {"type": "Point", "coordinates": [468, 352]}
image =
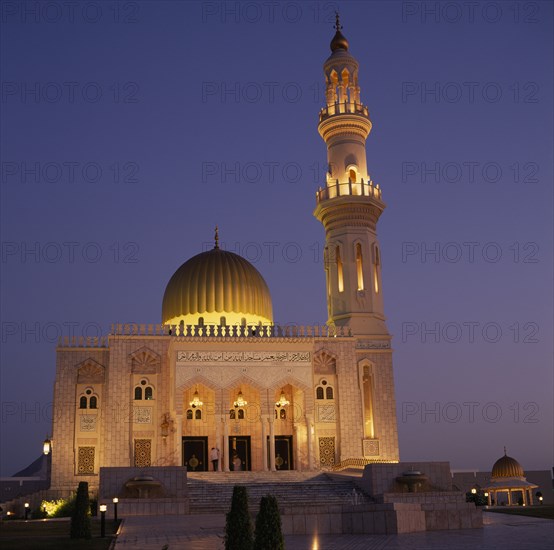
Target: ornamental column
{"type": "Point", "coordinates": [225, 456]}
{"type": "Point", "coordinates": [178, 441]}
{"type": "Point", "coordinates": [218, 441]}
{"type": "Point", "coordinates": [264, 418]}
{"type": "Point", "coordinates": [272, 444]}
{"type": "Point", "coordinates": [309, 428]}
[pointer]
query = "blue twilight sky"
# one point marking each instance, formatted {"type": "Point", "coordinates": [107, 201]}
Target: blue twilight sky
{"type": "Point", "coordinates": [129, 129]}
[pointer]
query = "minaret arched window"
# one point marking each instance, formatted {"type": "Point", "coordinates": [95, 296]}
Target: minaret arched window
{"type": "Point", "coordinates": [93, 402]}
{"type": "Point", "coordinates": [376, 266]}
{"type": "Point", "coordinates": [340, 276]}
{"type": "Point", "coordinates": [83, 402]}
{"type": "Point", "coordinates": [359, 266]}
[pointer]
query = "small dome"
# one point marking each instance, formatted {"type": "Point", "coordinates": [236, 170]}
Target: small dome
{"type": "Point", "coordinates": [339, 42]}
{"type": "Point", "coordinates": [507, 467]}
{"type": "Point", "coordinates": [217, 284]}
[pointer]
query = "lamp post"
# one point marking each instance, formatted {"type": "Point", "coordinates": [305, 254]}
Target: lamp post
{"type": "Point", "coordinates": [26, 510]}
{"type": "Point", "coordinates": [103, 508]}
{"type": "Point", "coordinates": [115, 501]}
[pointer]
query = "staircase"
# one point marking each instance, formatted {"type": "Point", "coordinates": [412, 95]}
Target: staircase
{"type": "Point", "coordinates": [211, 492]}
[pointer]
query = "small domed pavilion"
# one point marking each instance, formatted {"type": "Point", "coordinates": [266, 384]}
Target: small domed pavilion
{"type": "Point", "coordinates": [508, 477]}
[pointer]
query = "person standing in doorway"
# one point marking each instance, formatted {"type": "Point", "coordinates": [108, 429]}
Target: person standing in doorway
{"type": "Point", "coordinates": [214, 457]}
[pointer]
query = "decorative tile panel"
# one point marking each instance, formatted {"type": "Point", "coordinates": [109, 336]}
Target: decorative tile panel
{"type": "Point", "coordinates": [371, 447]}
{"type": "Point", "coordinates": [326, 452]}
{"type": "Point", "coordinates": [85, 460]}
{"type": "Point", "coordinates": [143, 453]}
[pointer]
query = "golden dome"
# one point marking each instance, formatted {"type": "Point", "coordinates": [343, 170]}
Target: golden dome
{"type": "Point", "coordinates": [217, 284]}
{"type": "Point", "coordinates": [507, 467]}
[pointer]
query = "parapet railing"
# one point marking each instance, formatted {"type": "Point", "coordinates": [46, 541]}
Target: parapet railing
{"type": "Point", "coordinates": [82, 342]}
{"type": "Point", "coordinates": [361, 189]}
{"type": "Point", "coordinates": [345, 107]}
{"type": "Point", "coordinates": [207, 331]}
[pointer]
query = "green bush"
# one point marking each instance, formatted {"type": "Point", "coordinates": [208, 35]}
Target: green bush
{"type": "Point", "coordinates": [61, 508]}
{"type": "Point", "coordinates": [238, 527]}
{"type": "Point", "coordinates": [80, 520]}
{"type": "Point", "coordinates": [268, 534]}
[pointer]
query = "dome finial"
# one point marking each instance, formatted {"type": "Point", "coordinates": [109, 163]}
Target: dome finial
{"type": "Point", "coordinates": [337, 26]}
{"type": "Point", "coordinates": [216, 237]}
{"type": "Point", "coordinates": [339, 42]}
{"type": "Point", "coordinates": [505, 451]}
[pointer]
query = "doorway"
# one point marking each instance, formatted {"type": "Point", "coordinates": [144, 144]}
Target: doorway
{"type": "Point", "coordinates": [239, 453]}
{"type": "Point", "coordinates": [283, 452]}
{"type": "Point", "coordinates": [195, 454]}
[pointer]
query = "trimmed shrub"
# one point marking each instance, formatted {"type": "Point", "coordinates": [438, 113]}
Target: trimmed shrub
{"type": "Point", "coordinates": [80, 520]}
{"type": "Point", "coordinates": [238, 527]}
{"type": "Point", "coordinates": [268, 534]}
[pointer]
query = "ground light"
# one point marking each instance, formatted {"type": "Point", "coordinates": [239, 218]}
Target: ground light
{"type": "Point", "coordinates": [103, 508]}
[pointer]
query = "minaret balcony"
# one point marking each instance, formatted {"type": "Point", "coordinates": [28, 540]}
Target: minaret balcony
{"type": "Point", "coordinates": [347, 107]}
{"type": "Point", "coordinates": [360, 189]}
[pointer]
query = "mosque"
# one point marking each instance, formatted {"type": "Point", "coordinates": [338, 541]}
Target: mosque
{"type": "Point", "coordinates": [217, 372]}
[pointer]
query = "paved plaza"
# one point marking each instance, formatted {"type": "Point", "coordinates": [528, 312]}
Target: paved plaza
{"type": "Point", "coordinates": [205, 532]}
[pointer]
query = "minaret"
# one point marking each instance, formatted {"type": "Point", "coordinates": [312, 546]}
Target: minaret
{"type": "Point", "coordinates": [350, 204]}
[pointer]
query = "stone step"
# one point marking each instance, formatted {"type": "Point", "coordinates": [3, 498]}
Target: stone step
{"type": "Point", "coordinates": [212, 491]}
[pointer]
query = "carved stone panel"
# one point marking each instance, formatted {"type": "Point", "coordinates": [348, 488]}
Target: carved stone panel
{"type": "Point", "coordinates": [90, 372]}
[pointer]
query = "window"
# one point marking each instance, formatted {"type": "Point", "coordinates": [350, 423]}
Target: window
{"type": "Point", "coordinates": [352, 175]}
{"type": "Point", "coordinates": [144, 389]}
{"type": "Point", "coordinates": [340, 279]}
{"type": "Point", "coordinates": [359, 266]}
{"type": "Point", "coordinates": [88, 401]}
{"type": "Point", "coordinates": [232, 414]}
{"type": "Point", "coordinates": [189, 414]}
{"type": "Point", "coordinates": [198, 414]}
{"type": "Point", "coordinates": [241, 414]}
{"type": "Point", "coordinates": [324, 391]}
{"type": "Point", "coordinates": [283, 414]}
